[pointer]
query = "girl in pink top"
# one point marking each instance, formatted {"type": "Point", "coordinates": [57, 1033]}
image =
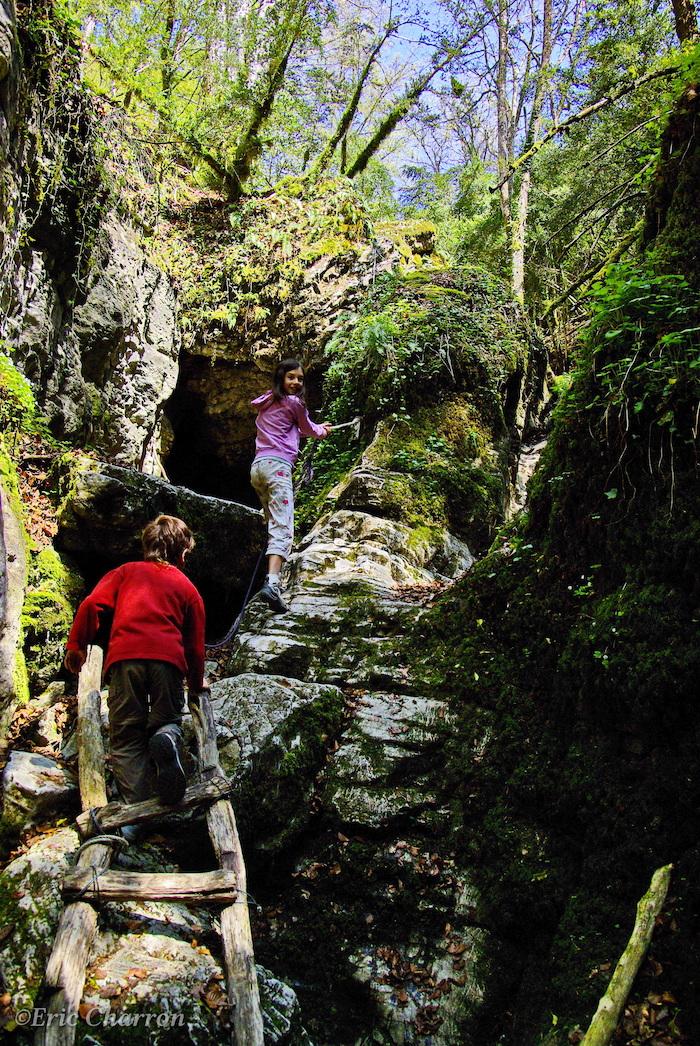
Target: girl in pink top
{"type": "Point", "coordinates": [282, 419]}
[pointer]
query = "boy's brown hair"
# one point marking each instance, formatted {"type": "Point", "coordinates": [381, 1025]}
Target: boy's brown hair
{"type": "Point", "coordinates": [165, 539]}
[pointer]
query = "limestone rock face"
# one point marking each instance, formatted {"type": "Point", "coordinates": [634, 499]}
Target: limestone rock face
{"type": "Point", "coordinates": [30, 902]}
{"type": "Point", "coordinates": [8, 59]}
{"type": "Point", "coordinates": [105, 367]}
{"type": "Point", "coordinates": [378, 882]}
{"type": "Point", "coordinates": [34, 788]}
{"type": "Point", "coordinates": [249, 708]}
{"type": "Point", "coordinates": [449, 965]}
{"type": "Point", "coordinates": [105, 508]}
{"type": "Point", "coordinates": [161, 970]}
{"type": "Point", "coordinates": [91, 320]}
{"type": "Point", "coordinates": [350, 570]}
{"type": "Point", "coordinates": [385, 743]}
{"type": "Point", "coordinates": [7, 36]}
{"type": "Point", "coordinates": [219, 377]}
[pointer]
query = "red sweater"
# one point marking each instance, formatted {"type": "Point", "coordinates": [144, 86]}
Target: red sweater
{"type": "Point", "coordinates": [158, 616]}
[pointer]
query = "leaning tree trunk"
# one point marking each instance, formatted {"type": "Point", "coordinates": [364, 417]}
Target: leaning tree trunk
{"type": "Point", "coordinates": [343, 126]}
{"type": "Point", "coordinates": [519, 223]}
{"type": "Point", "coordinates": [686, 18]}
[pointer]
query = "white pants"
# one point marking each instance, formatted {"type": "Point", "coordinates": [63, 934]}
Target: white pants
{"type": "Point", "coordinates": [272, 482]}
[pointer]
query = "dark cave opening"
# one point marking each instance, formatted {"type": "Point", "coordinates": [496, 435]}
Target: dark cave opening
{"type": "Point", "coordinates": [213, 425]}
{"type": "Point", "coordinates": [211, 451]}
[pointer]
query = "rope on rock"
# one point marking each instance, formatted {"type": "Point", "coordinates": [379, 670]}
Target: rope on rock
{"type": "Point", "coordinates": [246, 599]}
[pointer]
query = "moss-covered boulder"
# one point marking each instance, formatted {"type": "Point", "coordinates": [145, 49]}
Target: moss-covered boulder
{"type": "Point", "coordinates": [30, 905]}
{"type": "Point", "coordinates": [53, 591]}
{"type": "Point", "coordinates": [14, 687]}
{"type": "Point", "coordinates": [444, 374]}
{"type": "Point", "coordinates": [273, 280]}
{"type": "Point", "coordinates": [570, 657]}
{"type": "Point", "coordinates": [274, 737]}
{"type": "Point", "coordinates": [35, 789]}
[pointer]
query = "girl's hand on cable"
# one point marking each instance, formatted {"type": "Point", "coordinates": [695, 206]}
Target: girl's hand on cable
{"type": "Point", "coordinates": [327, 427]}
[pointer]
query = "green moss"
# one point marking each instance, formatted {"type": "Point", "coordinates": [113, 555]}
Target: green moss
{"type": "Point", "coordinates": [33, 926]}
{"type": "Point", "coordinates": [426, 365]}
{"type": "Point", "coordinates": [237, 268]}
{"type": "Point", "coordinates": [53, 590]}
{"type": "Point", "coordinates": [415, 240]}
{"type": "Point", "coordinates": [443, 470]}
{"type": "Point", "coordinates": [10, 485]}
{"type": "Point", "coordinates": [17, 405]}
{"type": "Point", "coordinates": [275, 795]}
{"type": "Point", "coordinates": [576, 639]}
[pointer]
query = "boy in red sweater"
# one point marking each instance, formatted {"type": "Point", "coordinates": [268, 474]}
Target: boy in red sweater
{"type": "Point", "coordinates": [156, 638]}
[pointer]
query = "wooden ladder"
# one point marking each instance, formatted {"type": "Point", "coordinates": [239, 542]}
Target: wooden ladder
{"type": "Point", "coordinates": [92, 881]}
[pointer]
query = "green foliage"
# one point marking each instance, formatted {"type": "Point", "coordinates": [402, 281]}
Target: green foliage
{"type": "Point", "coordinates": [235, 268]}
{"type": "Point", "coordinates": [644, 335]}
{"type": "Point", "coordinates": [417, 335]}
{"type": "Point", "coordinates": [53, 591]}
{"type": "Point", "coordinates": [17, 404]}
{"type": "Point", "coordinates": [424, 365]}
{"type": "Point", "coordinates": [570, 655]}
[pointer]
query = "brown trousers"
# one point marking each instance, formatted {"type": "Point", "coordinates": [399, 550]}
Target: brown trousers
{"type": "Point", "coordinates": [143, 697]}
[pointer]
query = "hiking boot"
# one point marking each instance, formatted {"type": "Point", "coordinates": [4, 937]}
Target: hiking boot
{"type": "Point", "coordinates": [171, 781]}
{"type": "Point", "coordinates": [133, 833]}
{"type": "Point", "coordinates": [272, 596]}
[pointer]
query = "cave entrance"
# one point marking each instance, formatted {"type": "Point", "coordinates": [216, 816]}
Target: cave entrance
{"type": "Point", "coordinates": [213, 425]}
{"type": "Point", "coordinates": [213, 429]}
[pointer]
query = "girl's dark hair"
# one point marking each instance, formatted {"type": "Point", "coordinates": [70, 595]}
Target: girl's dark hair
{"type": "Point", "coordinates": [278, 378]}
{"type": "Point", "coordinates": [165, 539]}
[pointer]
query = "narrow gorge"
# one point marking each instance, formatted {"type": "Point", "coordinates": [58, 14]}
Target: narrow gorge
{"type": "Point", "coordinates": [459, 757]}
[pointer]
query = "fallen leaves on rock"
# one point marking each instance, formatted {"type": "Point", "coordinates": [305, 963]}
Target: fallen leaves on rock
{"type": "Point", "coordinates": [39, 516]}
{"type": "Point", "coordinates": [652, 1022]}
{"type": "Point", "coordinates": [110, 991]}
{"type": "Point", "coordinates": [428, 1020]}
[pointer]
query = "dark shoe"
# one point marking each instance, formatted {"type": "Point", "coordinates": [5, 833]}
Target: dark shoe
{"type": "Point", "coordinates": [170, 773]}
{"type": "Point", "coordinates": [133, 833]}
{"type": "Point", "coordinates": [272, 597]}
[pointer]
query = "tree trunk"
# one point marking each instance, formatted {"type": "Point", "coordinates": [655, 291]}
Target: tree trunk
{"type": "Point", "coordinates": [686, 18]}
{"type": "Point", "coordinates": [610, 1007]}
{"type": "Point", "coordinates": [250, 146]}
{"type": "Point", "coordinates": [583, 114]}
{"type": "Point", "coordinates": [389, 123]}
{"type": "Point", "coordinates": [503, 119]}
{"type": "Point", "coordinates": [519, 224]}
{"type": "Point", "coordinates": [343, 126]}
{"type": "Point", "coordinates": [167, 56]}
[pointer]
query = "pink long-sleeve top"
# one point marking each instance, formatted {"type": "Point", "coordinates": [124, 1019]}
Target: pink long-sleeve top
{"type": "Point", "coordinates": [280, 423]}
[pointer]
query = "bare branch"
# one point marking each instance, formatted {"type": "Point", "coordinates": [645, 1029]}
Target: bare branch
{"type": "Point", "coordinates": [583, 114]}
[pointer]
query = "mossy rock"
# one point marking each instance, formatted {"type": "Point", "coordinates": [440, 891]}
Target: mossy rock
{"type": "Point", "coordinates": [30, 904]}
{"type": "Point", "coordinates": [436, 366]}
{"type": "Point", "coordinates": [274, 734]}
{"type": "Point", "coordinates": [53, 591]}
{"type": "Point", "coordinates": [14, 550]}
